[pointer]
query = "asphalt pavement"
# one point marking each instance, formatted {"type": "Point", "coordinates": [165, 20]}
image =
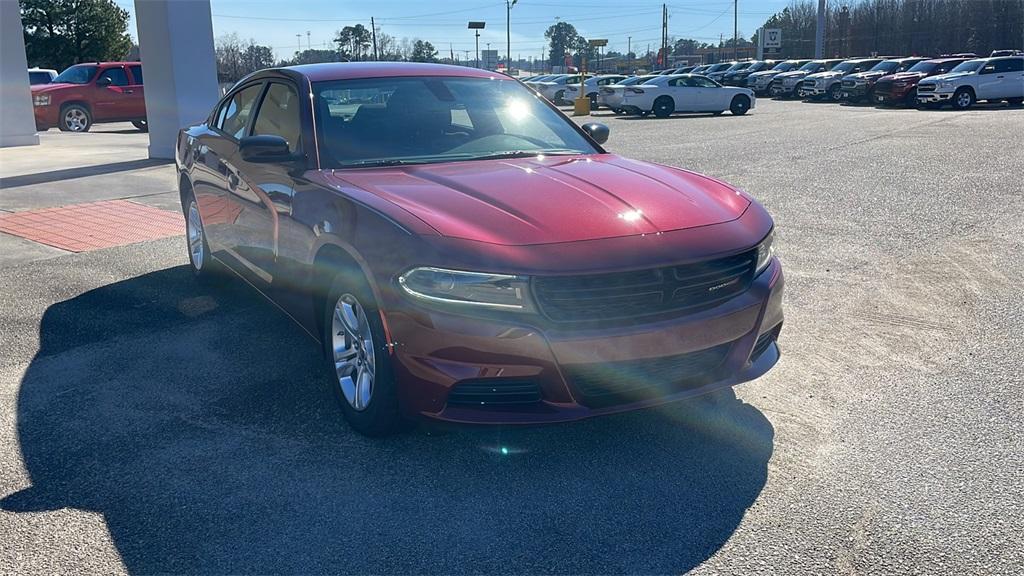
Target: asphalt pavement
{"type": "Point", "coordinates": [152, 424]}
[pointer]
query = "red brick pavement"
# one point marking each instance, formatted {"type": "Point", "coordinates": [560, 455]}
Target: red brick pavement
{"type": "Point", "coordinates": [94, 225]}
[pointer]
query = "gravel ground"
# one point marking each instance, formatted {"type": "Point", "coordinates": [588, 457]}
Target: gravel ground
{"type": "Point", "coordinates": [150, 424]}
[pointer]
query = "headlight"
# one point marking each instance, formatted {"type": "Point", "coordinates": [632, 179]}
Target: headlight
{"type": "Point", "coordinates": [765, 251]}
{"type": "Point", "coordinates": [41, 100]}
{"type": "Point", "coordinates": [474, 289]}
{"type": "Point", "coordinates": [944, 85]}
{"type": "Point", "coordinates": [900, 84]}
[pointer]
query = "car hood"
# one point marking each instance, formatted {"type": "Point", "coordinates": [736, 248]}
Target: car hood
{"type": "Point", "coordinates": [952, 76]}
{"type": "Point", "coordinates": [824, 75]}
{"type": "Point", "coordinates": [865, 76]}
{"type": "Point", "coordinates": [792, 74]}
{"type": "Point", "coordinates": [547, 200]}
{"type": "Point", "coordinates": [43, 88]}
{"type": "Point", "coordinates": [903, 76]}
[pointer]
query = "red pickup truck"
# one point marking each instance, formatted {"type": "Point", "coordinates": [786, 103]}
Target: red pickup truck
{"type": "Point", "coordinates": [86, 94]}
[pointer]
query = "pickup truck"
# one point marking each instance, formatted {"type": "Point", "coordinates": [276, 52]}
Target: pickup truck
{"type": "Point", "coordinates": [860, 87]}
{"type": "Point", "coordinates": [787, 84]}
{"type": "Point", "coordinates": [902, 87]}
{"type": "Point", "coordinates": [87, 94]}
{"type": "Point", "coordinates": [829, 84]}
{"type": "Point", "coordinates": [991, 79]}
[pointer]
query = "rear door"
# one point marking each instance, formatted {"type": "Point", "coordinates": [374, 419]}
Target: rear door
{"type": "Point", "coordinates": [989, 82]}
{"type": "Point", "coordinates": [1010, 78]}
{"type": "Point", "coordinates": [138, 94]}
{"type": "Point", "coordinates": [113, 101]}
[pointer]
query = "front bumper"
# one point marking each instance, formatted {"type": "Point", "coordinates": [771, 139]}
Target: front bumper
{"type": "Point", "coordinates": [856, 92]}
{"type": "Point", "coordinates": [933, 97]}
{"type": "Point", "coordinates": [811, 91]}
{"type": "Point", "coordinates": [437, 352]}
{"type": "Point", "coordinates": [45, 116]}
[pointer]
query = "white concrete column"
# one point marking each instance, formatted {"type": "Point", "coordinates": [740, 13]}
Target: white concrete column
{"type": "Point", "coordinates": [178, 65]}
{"type": "Point", "coordinates": [17, 122]}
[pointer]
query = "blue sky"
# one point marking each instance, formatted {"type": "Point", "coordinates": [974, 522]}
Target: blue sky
{"type": "Point", "coordinates": [441, 22]}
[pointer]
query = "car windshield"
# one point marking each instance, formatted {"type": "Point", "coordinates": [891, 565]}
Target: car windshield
{"type": "Point", "coordinates": [844, 67]}
{"type": "Point", "coordinates": [886, 66]}
{"type": "Point", "coordinates": [739, 66]}
{"type": "Point", "coordinates": [76, 75]}
{"type": "Point", "coordinates": [925, 67]}
{"type": "Point", "coordinates": [811, 66]}
{"type": "Point", "coordinates": [420, 120]}
{"type": "Point", "coordinates": [786, 66]}
{"type": "Point", "coordinates": [969, 66]}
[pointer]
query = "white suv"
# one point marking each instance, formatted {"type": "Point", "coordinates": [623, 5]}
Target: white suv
{"type": "Point", "coordinates": [991, 79]}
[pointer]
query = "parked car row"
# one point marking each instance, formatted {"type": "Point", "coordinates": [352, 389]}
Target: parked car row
{"type": "Point", "coordinates": [661, 94]}
{"type": "Point", "coordinates": [957, 79]}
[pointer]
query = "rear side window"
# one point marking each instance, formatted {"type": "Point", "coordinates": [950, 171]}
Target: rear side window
{"type": "Point", "coordinates": [117, 76]}
{"type": "Point", "coordinates": [38, 78]}
{"type": "Point", "coordinates": [234, 114]}
{"type": "Point", "coordinates": [1010, 65]}
{"type": "Point", "coordinates": [279, 115]}
{"type": "Point", "coordinates": [136, 74]}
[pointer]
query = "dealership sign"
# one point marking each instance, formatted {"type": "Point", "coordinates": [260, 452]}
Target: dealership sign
{"type": "Point", "coordinates": [773, 38]}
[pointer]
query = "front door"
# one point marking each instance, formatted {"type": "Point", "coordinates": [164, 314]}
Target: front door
{"type": "Point", "coordinates": [267, 189]}
{"type": "Point", "coordinates": [113, 95]}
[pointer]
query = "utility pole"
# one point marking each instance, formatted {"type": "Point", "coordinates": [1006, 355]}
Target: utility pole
{"type": "Point", "coordinates": [298, 42]}
{"type": "Point", "coordinates": [309, 44]}
{"type": "Point", "coordinates": [508, 32]}
{"type": "Point", "coordinates": [373, 32]}
{"type": "Point", "coordinates": [451, 52]}
{"type": "Point", "coordinates": [477, 27]}
{"type": "Point", "coordinates": [663, 55]}
{"type": "Point", "coordinates": [735, 29]}
{"type": "Point", "coordinates": [819, 34]}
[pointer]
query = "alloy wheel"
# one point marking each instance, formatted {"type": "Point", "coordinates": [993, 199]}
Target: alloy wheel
{"type": "Point", "coordinates": [352, 344]}
{"type": "Point", "coordinates": [194, 228]}
{"type": "Point", "coordinates": [963, 100]}
{"type": "Point", "coordinates": [75, 119]}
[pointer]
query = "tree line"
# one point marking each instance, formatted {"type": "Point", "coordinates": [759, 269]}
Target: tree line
{"type": "Point", "coordinates": [902, 27]}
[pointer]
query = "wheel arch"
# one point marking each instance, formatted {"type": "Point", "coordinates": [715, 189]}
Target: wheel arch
{"type": "Point", "coordinates": [330, 259]}
{"type": "Point", "coordinates": [81, 103]}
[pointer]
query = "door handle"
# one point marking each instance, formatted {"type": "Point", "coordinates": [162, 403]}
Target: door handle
{"type": "Point", "coordinates": [129, 91]}
{"type": "Point", "coordinates": [233, 180]}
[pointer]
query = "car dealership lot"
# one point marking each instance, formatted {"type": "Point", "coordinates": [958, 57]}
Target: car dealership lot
{"type": "Point", "coordinates": [150, 424]}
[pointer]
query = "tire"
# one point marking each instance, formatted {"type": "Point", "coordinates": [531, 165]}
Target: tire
{"type": "Point", "coordinates": [719, 113]}
{"type": "Point", "coordinates": [558, 98]}
{"type": "Point", "coordinates": [664, 106]}
{"type": "Point", "coordinates": [141, 125]}
{"type": "Point", "coordinates": [911, 98]}
{"type": "Point", "coordinates": [593, 102]}
{"type": "Point", "coordinates": [740, 105]}
{"type": "Point", "coordinates": [618, 110]}
{"type": "Point", "coordinates": [1015, 101]}
{"type": "Point", "coordinates": [356, 356]}
{"type": "Point", "coordinates": [74, 118]}
{"type": "Point", "coordinates": [199, 259]}
{"type": "Point", "coordinates": [834, 93]}
{"type": "Point", "coordinates": [963, 99]}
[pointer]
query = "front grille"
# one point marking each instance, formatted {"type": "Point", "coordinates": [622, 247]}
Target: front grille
{"type": "Point", "coordinates": [494, 392]}
{"type": "Point", "coordinates": [849, 83]}
{"type": "Point", "coordinates": [807, 84]}
{"type": "Point", "coordinates": [926, 87]}
{"type": "Point", "coordinates": [639, 294]}
{"type": "Point", "coordinates": [610, 383]}
{"type": "Point", "coordinates": [883, 87]}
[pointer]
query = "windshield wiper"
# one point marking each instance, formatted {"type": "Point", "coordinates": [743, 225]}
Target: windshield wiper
{"type": "Point", "coordinates": [385, 162]}
{"type": "Point", "coordinates": [524, 154]}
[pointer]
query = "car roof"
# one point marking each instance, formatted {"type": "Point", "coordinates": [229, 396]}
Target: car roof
{"type": "Point", "coordinates": [353, 70]}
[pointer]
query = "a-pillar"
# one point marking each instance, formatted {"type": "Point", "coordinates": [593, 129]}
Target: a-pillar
{"type": "Point", "coordinates": [17, 122]}
{"type": "Point", "coordinates": [179, 66]}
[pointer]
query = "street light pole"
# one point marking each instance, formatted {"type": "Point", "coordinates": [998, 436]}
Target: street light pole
{"type": "Point", "coordinates": [508, 33]}
{"type": "Point", "coordinates": [477, 26]}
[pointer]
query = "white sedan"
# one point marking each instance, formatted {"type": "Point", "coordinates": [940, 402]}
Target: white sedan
{"type": "Point", "coordinates": [611, 96]}
{"type": "Point", "coordinates": [685, 93]}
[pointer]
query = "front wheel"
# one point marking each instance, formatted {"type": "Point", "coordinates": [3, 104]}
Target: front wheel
{"type": "Point", "coordinates": [664, 106]}
{"type": "Point", "coordinates": [834, 93]}
{"type": "Point", "coordinates": [740, 105]}
{"type": "Point", "coordinates": [141, 125]}
{"type": "Point", "coordinates": [963, 99]}
{"type": "Point", "coordinates": [358, 359]}
{"type": "Point", "coordinates": [1015, 101]}
{"type": "Point", "coordinates": [593, 102]}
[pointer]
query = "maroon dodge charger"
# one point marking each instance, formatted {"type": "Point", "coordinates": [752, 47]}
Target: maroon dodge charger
{"type": "Point", "coordinates": [464, 252]}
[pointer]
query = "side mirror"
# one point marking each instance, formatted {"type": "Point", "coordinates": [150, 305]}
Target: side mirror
{"type": "Point", "coordinates": [266, 148]}
{"type": "Point", "coordinates": [104, 82]}
{"type": "Point", "coordinates": [597, 131]}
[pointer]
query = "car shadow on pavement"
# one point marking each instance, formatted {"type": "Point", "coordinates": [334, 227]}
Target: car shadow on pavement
{"type": "Point", "coordinates": [79, 172]}
{"type": "Point", "coordinates": [196, 421]}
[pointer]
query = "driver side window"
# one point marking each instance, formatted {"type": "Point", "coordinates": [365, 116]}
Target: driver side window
{"type": "Point", "coordinates": [117, 76]}
{"type": "Point", "coordinates": [233, 117]}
